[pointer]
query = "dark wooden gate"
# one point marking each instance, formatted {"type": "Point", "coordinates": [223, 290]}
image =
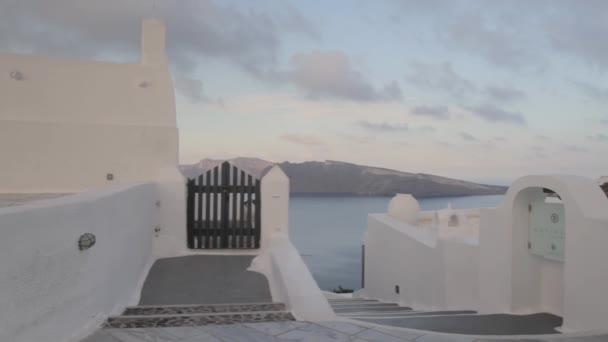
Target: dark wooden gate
{"type": "Point", "coordinates": [224, 209]}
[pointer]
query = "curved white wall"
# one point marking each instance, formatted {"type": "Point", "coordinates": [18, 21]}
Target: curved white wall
{"type": "Point", "coordinates": [511, 279]}
{"type": "Point", "coordinates": [52, 291]}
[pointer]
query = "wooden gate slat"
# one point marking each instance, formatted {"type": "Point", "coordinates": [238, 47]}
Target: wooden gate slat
{"type": "Point", "coordinates": [207, 217]}
{"type": "Point", "coordinates": [242, 209]}
{"type": "Point", "coordinates": [199, 226]}
{"type": "Point", "coordinates": [258, 213]}
{"type": "Point", "coordinates": [216, 173]}
{"type": "Point", "coordinates": [225, 204]}
{"type": "Point", "coordinates": [249, 212]}
{"type": "Point", "coordinates": [233, 221]}
{"type": "Point", "coordinates": [190, 213]}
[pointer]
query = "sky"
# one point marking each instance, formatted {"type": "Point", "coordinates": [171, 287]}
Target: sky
{"type": "Point", "coordinates": [478, 90]}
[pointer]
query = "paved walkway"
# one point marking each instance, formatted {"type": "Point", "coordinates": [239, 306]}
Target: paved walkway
{"type": "Point", "coordinates": [204, 279]}
{"type": "Point", "coordinates": [295, 331]}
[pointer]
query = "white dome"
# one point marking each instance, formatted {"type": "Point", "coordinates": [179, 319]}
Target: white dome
{"type": "Point", "coordinates": [404, 207]}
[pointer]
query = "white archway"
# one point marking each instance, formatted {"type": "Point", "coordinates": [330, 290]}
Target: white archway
{"type": "Point", "coordinates": [513, 280]}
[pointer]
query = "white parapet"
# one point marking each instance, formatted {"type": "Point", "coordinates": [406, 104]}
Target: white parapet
{"type": "Point", "coordinates": [289, 279]}
{"type": "Point", "coordinates": [430, 258]}
{"type": "Point", "coordinates": [275, 204]}
{"type": "Point", "coordinates": [53, 291]}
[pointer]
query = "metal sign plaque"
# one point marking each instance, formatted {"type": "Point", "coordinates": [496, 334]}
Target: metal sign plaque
{"type": "Point", "coordinates": [546, 235]}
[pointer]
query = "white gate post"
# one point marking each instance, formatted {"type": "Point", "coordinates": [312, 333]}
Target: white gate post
{"type": "Point", "coordinates": [275, 204]}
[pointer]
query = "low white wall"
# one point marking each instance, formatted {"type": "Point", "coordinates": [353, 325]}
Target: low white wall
{"type": "Point", "coordinates": [170, 240]}
{"type": "Point", "coordinates": [432, 273]}
{"type": "Point", "coordinates": [289, 279]}
{"type": "Point", "coordinates": [52, 291]}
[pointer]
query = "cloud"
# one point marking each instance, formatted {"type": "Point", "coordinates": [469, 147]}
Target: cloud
{"type": "Point", "coordinates": [604, 121]}
{"type": "Point", "coordinates": [192, 90]}
{"type": "Point", "coordinates": [467, 136]}
{"type": "Point", "coordinates": [537, 148]}
{"type": "Point", "coordinates": [436, 112]}
{"type": "Point", "coordinates": [303, 139]}
{"type": "Point", "coordinates": [329, 74]}
{"type": "Point", "coordinates": [247, 38]}
{"type": "Point", "coordinates": [359, 139]}
{"type": "Point", "coordinates": [598, 137]}
{"type": "Point", "coordinates": [574, 148]}
{"type": "Point", "coordinates": [493, 114]}
{"type": "Point", "coordinates": [578, 29]}
{"type": "Point", "coordinates": [440, 77]}
{"type": "Point", "coordinates": [427, 129]}
{"type": "Point", "coordinates": [592, 91]}
{"type": "Point", "coordinates": [504, 94]}
{"type": "Point", "coordinates": [501, 139]}
{"type": "Point", "coordinates": [496, 44]}
{"type": "Point", "coordinates": [383, 127]}
{"type": "Point", "coordinates": [542, 137]}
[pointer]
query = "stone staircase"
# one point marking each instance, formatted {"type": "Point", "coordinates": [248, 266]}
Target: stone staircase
{"type": "Point", "coordinates": [372, 310]}
{"type": "Point", "coordinates": [455, 322]}
{"type": "Point", "coordinates": [150, 316]}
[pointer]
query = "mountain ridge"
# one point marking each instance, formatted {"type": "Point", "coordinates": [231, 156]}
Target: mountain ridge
{"type": "Point", "coordinates": [337, 177]}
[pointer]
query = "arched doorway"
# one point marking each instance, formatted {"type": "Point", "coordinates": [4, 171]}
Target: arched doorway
{"type": "Point", "coordinates": [538, 235]}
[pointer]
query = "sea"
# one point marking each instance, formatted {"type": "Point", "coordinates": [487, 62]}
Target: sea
{"type": "Point", "coordinates": [328, 231]}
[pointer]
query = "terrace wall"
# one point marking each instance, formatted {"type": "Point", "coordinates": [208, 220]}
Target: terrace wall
{"type": "Point", "coordinates": [51, 290]}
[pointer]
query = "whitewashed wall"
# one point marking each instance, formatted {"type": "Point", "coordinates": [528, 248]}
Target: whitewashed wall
{"type": "Point", "coordinates": [67, 123]}
{"type": "Point", "coordinates": [511, 279]}
{"type": "Point", "coordinates": [52, 291]}
{"type": "Point", "coordinates": [432, 273]}
{"type": "Point", "coordinates": [289, 279]}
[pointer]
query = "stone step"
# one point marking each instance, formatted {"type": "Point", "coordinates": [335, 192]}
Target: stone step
{"type": "Point", "coordinates": [389, 315]}
{"type": "Point", "coordinates": [179, 320]}
{"type": "Point", "coordinates": [478, 324]}
{"type": "Point", "coordinates": [201, 308]}
{"type": "Point", "coordinates": [372, 309]}
{"type": "Point", "coordinates": [351, 300]}
{"type": "Point", "coordinates": [349, 305]}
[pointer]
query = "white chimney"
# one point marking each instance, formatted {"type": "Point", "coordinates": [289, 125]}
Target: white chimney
{"type": "Point", "coordinates": [153, 42]}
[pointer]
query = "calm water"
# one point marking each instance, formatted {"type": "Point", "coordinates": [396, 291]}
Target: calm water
{"type": "Point", "coordinates": [328, 230]}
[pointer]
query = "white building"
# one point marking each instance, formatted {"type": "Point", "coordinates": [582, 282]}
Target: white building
{"type": "Point", "coordinates": [71, 125]}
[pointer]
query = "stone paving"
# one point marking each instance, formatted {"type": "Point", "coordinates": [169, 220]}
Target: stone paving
{"type": "Point", "coordinates": [195, 309]}
{"type": "Point", "coordinates": [195, 320]}
{"type": "Point", "coordinates": [300, 331]}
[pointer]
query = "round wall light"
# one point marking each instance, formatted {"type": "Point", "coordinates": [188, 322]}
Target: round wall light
{"type": "Point", "coordinates": [86, 241]}
{"type": "Point", "coordinates": [16, 75]}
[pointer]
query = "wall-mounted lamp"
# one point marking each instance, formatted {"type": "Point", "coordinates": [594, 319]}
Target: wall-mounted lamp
{"type": "Point", "coordinates": [86, 241]}
{"type": "Point", "coordinates": [16, 75]}
{"type": "Point", "coordinates": [110, 176]}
